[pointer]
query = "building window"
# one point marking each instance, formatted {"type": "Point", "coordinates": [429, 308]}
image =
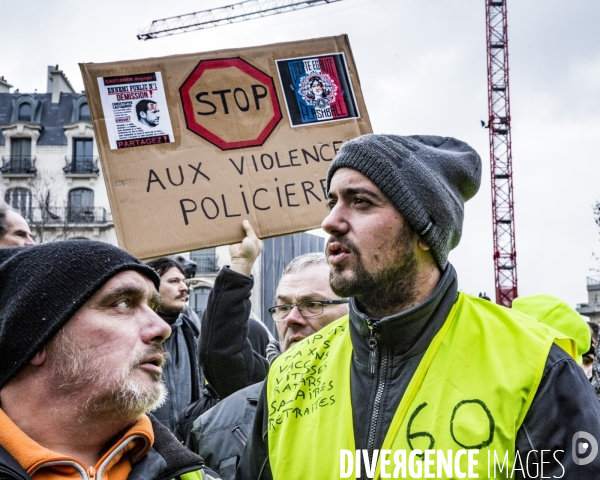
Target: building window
{"type": "Point", "coordinates": [206, 260]}
{"type": "Point", "coordinates": [200, 299]}
{"type": "Point", "coordinates": [84, 113]}
{"type": "Point", "coordinates": [83, 162]}
{"type": "Point", "coordinates": [20, 200]}
{"type": "Point", "coordinates": [20, 147]}
{"type": "Point", "coordinates": [25, 112]}
{"type": "Point", "coordinates": [20, 160]}
{"type": "Point", "coordinates": [81, 110]}
{"type": "Point", "coordinates": [25, 108]}
{"type": "Point", "coordinates": [81, 205]}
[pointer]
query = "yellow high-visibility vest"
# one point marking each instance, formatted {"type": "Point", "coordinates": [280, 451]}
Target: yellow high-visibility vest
{"type": "Point", "coordinates": [194, 475]}
{"type": "Point", "coordinates": [471, 391]}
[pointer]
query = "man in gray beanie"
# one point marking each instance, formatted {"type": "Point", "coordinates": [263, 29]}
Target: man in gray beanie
{"type": "Point", "coordinates": [80, 367]}
{"type": "Point", "coordinates": [418, 370]}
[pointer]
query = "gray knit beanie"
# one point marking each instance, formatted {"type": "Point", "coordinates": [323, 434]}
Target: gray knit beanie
{"type": "Point", "coordinates": [427, 178]}
{"type": "Point", "coordinates": [41, 288]}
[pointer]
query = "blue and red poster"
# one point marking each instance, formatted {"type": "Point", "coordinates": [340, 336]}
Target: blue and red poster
{"type": "Point", "coordinates": [317, 89]}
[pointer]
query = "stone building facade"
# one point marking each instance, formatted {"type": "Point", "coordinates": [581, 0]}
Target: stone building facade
{"type": "Point", "coordinates": [50, 171]}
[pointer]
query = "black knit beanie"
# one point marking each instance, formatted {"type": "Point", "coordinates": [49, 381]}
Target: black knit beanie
{"type": "Point", "coordinates": [41, 288]}
{"type": "Point", "coordinates": [427, 178]}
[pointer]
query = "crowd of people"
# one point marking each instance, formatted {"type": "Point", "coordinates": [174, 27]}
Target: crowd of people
{"type": "Point", "coordinates": [380, 360]}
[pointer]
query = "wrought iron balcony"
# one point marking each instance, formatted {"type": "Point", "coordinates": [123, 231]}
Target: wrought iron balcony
{"type": "Point", "coordinates": [18, 165]}
{"type": "Point", "coordinates": [81, 165]}
{"type": "Point", "coordinates": [57, 216]}
{"type": "Point", "coordinates": [86, 214]}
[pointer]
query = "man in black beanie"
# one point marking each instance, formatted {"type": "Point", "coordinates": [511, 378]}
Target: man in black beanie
{"type": "Point", "coordinates": [419, 379]}
{"type": "Point", "coordinates": [80, 366]}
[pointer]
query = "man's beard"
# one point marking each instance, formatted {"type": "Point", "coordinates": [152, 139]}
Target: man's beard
{"type": "Point", "coordinates": [172, 311]}
{"type": "Point", "coordinates": [386, 291]}
{"type": "Point", "coordinates": [77, 371]}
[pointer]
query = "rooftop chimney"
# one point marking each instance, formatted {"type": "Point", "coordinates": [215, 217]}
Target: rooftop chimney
{"type": "Point", "coordinates": [4, 85]}
{"type": "Point", "coordinates": [57, 83]}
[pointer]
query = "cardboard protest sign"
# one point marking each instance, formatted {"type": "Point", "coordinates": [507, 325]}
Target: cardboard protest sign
{"type": "Point", "coordinates": [192, 144]}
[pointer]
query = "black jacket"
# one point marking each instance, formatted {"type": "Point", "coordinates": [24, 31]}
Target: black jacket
{"type": "Point", "coordinates": [181, 374]}
{"type": "Point", "coordinates": [220, 434]}
{"type": "Point", "coordinates": [208, 399]}
{"type": "Point", "coordinates": [166, 459]}
{"type": "Point", "coordinates": [563, 405]}
{"type": "Point", "coordinates": [232, 347]}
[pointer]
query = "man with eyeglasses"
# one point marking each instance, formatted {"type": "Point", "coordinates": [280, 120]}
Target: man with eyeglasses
{"type": "Point", "coordinates": [308, 310]}
{"type": "Point", "coordinates": [301, 309]}
{"type": "Point", "coordinates": [304, 304]}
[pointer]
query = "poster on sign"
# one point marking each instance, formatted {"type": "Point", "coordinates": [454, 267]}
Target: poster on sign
{"type": "Point", "coordinates": [192, 144]}
{"type": "Point", "coordinates": [132, 107]}
{"type": "Point", "coordinates": [322, 89]}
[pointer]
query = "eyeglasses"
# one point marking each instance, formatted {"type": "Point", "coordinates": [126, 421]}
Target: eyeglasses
{"type": "Point", "coordinates": [310, 308]}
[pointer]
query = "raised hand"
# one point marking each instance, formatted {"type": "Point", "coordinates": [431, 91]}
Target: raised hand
{"type": "Point", "coordinates": [244, 254]}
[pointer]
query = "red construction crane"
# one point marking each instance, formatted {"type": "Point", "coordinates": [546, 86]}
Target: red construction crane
{"type": "Point", "coordinates": [237, 12]}
{"type": "Point", "coordinates": [505, 253]}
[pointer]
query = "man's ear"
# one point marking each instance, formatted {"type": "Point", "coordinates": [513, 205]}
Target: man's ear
{"type": "Point", "coordinates": [422, 244]}
{"type": "Point", "coordinates": [39, 358]}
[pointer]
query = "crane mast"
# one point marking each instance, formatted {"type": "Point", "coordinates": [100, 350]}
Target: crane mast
{"type": "Point", "coordinates": [237, 12]}
{"type": "Point", "coordinates": [505, 254]}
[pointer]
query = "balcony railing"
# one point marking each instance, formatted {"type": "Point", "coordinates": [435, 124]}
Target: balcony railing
{"type": "Point", "coordinates": [594, 280]}
{"type": "Point", "coordinates": [206, 263]}
{"type": "Point", "coordinates": [81, 165]}
{"type": "Point", "coordinates": [55, 216]}
{"type": "Point", "coordinates": [18, 165]}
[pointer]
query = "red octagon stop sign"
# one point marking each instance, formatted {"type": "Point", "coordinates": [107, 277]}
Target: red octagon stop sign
{"type": "Point", "coordinates": [230, 103]}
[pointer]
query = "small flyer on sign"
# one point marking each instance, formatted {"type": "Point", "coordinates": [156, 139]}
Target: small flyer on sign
{"type": "Point", "coordinates": [135, 110]}
{"type": "Point", "coordinates": [317, 89]}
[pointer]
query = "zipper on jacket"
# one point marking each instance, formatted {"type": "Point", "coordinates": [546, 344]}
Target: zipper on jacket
{"type": "Point", "coordinates": [381, 384]}
{"type": "Point", "coordinates": [373, 326]}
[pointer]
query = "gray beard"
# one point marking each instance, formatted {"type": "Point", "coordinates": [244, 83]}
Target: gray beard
{"type": "Point", "coordinates": [386, 292]}
{"type": "Point", "coordinates": [76, 370]}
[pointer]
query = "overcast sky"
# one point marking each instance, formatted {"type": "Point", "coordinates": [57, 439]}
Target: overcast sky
{"type": "Point", "coordinates": [422, 66]}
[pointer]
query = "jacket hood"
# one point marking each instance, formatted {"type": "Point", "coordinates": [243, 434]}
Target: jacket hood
{"type": "Point", "coordinates": [558, 315]}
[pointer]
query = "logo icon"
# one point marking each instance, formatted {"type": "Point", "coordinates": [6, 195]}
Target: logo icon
{"type": "Point", "coordinates": [585, 448]}
{"type": "Point", "coordinates": [317, 89]}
